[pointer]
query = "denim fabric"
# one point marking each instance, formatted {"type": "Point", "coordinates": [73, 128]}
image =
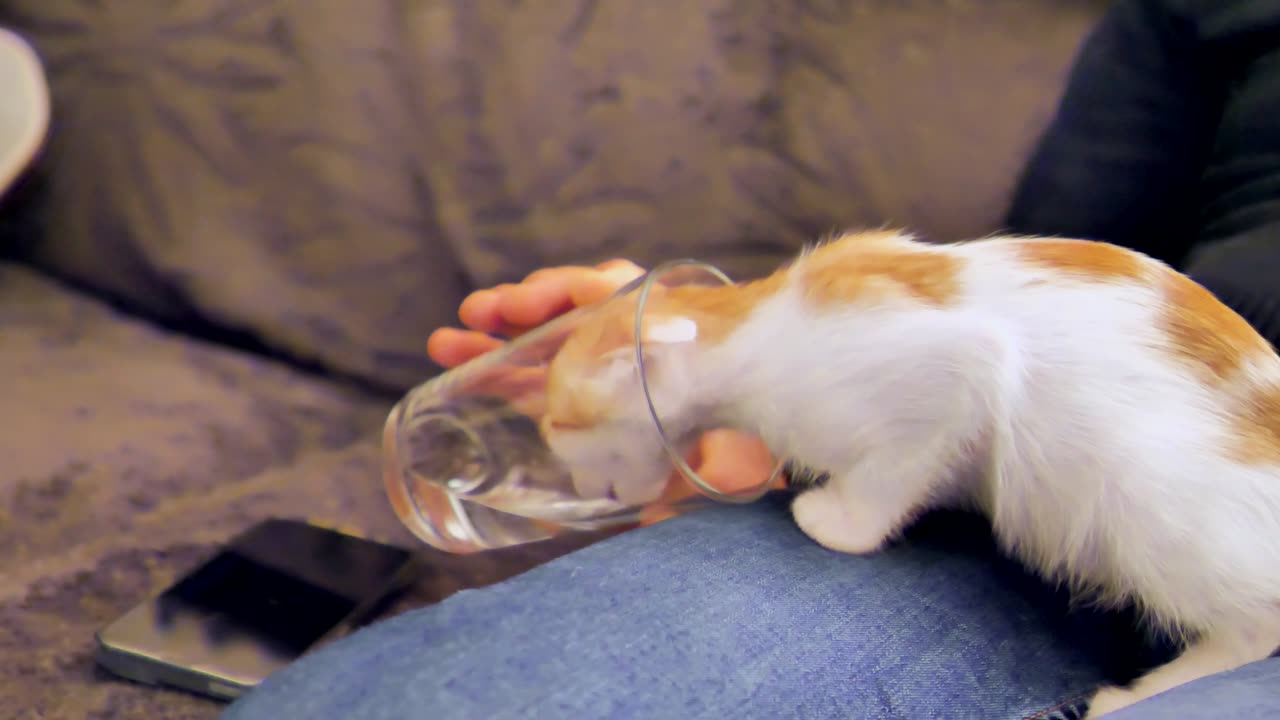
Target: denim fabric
{"type": "Point", "coordinates": [728, 613]}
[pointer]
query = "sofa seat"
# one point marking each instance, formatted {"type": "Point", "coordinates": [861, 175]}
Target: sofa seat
{"type": "Point", "coordinates": [127, 454]}
{"type": "Point", "coordinates": [130, 453]}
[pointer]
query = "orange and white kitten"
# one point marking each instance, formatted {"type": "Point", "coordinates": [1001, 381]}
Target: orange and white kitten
{"type": "Point", "coordinates": [1118, 425]}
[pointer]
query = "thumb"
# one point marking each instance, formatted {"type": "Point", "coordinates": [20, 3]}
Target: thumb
{"type": "Point", "coordinates": [733, 462]}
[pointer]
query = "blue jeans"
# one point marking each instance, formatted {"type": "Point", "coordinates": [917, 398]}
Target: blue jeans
{"type": "Point", "coordinates": [733, 613]}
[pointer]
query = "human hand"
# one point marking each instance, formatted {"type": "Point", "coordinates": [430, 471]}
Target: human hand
{"type": "Point", "coordinates": [729, 461]}
{"type": "Point", "coordinates": [512, 309]}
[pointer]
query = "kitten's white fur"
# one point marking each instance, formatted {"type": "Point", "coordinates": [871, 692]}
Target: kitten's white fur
{"type": "Point", "coordinates": [1046, 403]}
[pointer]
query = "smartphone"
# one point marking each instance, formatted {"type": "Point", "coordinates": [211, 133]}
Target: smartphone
{"type": "Point", "coordinates": [271, 594]}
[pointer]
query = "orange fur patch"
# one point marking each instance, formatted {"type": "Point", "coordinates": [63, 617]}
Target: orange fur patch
{"type": "Point", "coordinates": [1204, 333]}
{"type": "Point", "coordinates": [864, 265]}
{"type": "Point", "coordinates": [1085, 259]}
{"type": "Point", "coordinates": [1256, 430]}
{"type": "Point", "coordinates": [718, 311]}
{"type": "Point", "coordinates": [1216, 343]}
{"type": "Point", "coordinates": [570, 411]}
{"type": "Point", "coordinates": [597, 335]}
{"type": "Point", "coordinates": [566, 409]}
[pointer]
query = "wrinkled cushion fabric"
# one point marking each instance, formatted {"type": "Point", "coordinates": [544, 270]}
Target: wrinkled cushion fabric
{"type": "Point", "coordinates": [128, 454]}
{"type": "Point", "coordinates": [333, 176]}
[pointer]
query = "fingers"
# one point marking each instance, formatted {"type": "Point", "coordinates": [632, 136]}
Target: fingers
{"type": "Point", "coordinates": [509, 310]}
{"type": "Point", "coordinates": [485, 311]}
{"type": "Point", "coordinates": [733, 462]}
{"type": "Point", "coordinates": [451, 347]}
{"type": "Point", "coordinates": [479, 310]}
{"type": "Point", "coordinates": [530, 304]}
{"type": "Point", "coordinates": [513, 308]}
{"type": "Point", "coordinates": [602, 284]}
{"type": "Point", "coordinates": [555, 291]}
{"type": "Point", "coordinates": [729, 461]}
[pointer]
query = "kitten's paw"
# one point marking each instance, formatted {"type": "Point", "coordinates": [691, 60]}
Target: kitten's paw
{"type": "Point", "coordinates": [839, 525]}
{"type": "Point", "coordinates": [1110, 699]}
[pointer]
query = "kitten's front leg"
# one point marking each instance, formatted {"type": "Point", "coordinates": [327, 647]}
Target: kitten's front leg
{"type": "Point", "coordinates": [913, 420]}
{"type": "Point", "coordinates": [859, 511]}
{"type": "Point", "coordinates": [840, 525]}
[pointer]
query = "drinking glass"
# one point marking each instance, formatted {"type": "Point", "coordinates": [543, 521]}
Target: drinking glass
{"type": "Point", "coordinates": [467, 469]}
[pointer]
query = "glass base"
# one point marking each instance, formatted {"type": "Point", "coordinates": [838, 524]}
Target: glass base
{"type": "Point", "coordinates": [445, 521]}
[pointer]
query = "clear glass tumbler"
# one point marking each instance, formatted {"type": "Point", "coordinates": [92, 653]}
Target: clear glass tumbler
{"type": "Point", "coordinates": [467, 466]}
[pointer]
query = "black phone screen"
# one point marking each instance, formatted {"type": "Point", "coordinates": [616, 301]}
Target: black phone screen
{"type": "Point", "coordinates": [266, 598]}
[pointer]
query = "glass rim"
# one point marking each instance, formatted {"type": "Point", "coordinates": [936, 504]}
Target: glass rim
{"type": "Point", "coordinates": [645, 284]}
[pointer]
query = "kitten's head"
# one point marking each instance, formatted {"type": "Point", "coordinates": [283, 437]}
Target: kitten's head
{"type": "Point", "coordinates": [597, 419]}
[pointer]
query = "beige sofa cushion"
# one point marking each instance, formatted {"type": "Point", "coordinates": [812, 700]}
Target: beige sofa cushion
{"type": "Point", "coordinates": [332, 176]}
{"type": "Point", "coordinates": [128, 456]}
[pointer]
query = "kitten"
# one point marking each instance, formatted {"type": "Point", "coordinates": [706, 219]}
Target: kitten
{"type": "Point", "coordinates": [1118, 425]}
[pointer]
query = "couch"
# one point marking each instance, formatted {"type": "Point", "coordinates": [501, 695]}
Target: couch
{"type": "Point", "coordinates": [221, 267]}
